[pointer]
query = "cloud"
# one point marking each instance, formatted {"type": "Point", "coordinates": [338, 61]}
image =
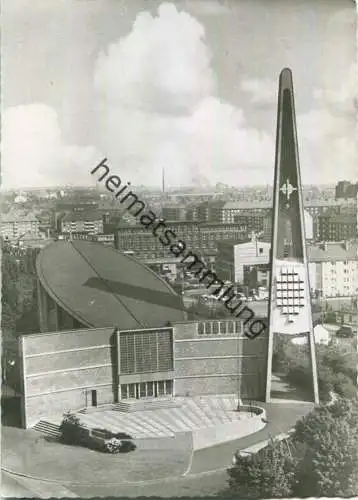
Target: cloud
{"type": "Point", "coordinates": [327, 146]}
{"type": "Point", "coordinates": [345, 97]}
{"type": "Point", "coordinates": [206, 7]}
{"type": "Point", "coordinates": [159, 91]}
{"type": "Point", "coordinates": [33, 151]}
{"type": "Point", "coordinates": [260, 90]}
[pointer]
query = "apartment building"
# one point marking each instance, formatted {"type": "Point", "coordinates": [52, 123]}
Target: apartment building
{"type": "Point", "coordinates": [334, 268]}
{"type": "Point", "coordinates": [336, 227]}
{"type": "Point", "coordinates": [15, 223]}
{"type": "Point", "coordinates": [200, 237]}
{"type": "Point", "coordinates": [82, 222]}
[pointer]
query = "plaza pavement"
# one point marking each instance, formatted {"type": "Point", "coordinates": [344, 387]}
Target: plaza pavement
{"type": "Point", "coordinates": [193, 413]}
{"type": "Point", "coordinates": [201, 473]}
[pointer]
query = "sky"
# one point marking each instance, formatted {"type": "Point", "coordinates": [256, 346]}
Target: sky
{"type": "Point", "coordinates": [189, 86]}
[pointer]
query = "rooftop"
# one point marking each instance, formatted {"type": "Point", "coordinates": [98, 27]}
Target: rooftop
{"type": "Point", "coordinates": [100, 286]}
{"type": "Point", "coordinates": [247, 205]}
{"type": "Point", "coordinates": [92, 215]}
{"type": "Point", "coordinates": [341, 218]}
{"type": "Point", "coordinates": [333, 251]}
{"type": "Point", "coordinates": [18, 216]}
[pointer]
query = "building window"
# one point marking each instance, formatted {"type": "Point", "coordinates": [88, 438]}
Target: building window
{"type": "Point", "coordinates": [169, 387]}
{"type": "Point", "coordinates": [161, 388]}
{"type": "Point", "coordinates": [150, 391]}
{"type": "Point", "coordinates": [142, 390]}
{"type": "Point", "coordinates": [131, 390]}
{"type": "Point", "coordinates": [238, 326]}
{"type": "Point", "coordinates": [208, 329]}
{"type": "Point", "coordinates": [261, 251]}
{"type": "Point", "coordinates": [124, 391]}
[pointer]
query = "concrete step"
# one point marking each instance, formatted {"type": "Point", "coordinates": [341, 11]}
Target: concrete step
{"type": "Point", "coordinates": [47, 428]}
{"type": "Point", "coordinates": [131, 405]}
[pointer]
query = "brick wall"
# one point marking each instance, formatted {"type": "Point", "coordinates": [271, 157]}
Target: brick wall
{"type": "Point", "coordinates": [219, 364]}
{"type": "Point", "coordinates": [60, 370]}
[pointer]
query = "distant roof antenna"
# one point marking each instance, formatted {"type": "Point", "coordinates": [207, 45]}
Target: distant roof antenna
{"type": "Point", "coordinates": [163, 180]}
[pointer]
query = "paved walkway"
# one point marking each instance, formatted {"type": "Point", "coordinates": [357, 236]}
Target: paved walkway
{"type": "Point", "coordinates": [207, 474]}
{"type": "Point", "coordinates": [281, 418]}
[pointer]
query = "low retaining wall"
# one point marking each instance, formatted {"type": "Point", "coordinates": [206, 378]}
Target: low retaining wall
{"type": "Point", "coordinates": [221, 433]}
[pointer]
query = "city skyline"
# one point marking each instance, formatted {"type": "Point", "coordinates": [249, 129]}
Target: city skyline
{"type": "Point", "coordinates": [173, 95]}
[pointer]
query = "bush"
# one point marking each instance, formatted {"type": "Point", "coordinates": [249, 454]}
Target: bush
{"type": "Point", "coordinates": [109, 434]}
{"type": "Point", "coordinates": [112, 445]}
{"type": "Point", "coordinates": [336, 368]}
{"type": "Point", "coordinates": [70, 429]}
{"type": "Point", "coordinates": [102, 440]}
{"type": "Point", "coordinates": [115, 445]}
{"type": "Point", "coordinates": [319, 459]}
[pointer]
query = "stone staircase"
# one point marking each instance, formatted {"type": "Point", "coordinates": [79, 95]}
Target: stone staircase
{"type": "Point", "coordinates": [171, 416]}
{"type": "Point", "coordinates": [47, 428]}
{"type": "Point", "coordinates": [132, 405]}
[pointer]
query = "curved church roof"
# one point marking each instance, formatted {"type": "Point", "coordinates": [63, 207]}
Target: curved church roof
{"type": "Point", "coordinates": [100, 286]}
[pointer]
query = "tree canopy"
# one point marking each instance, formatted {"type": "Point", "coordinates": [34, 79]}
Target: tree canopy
{"type": "Point", "coordinates": [319, 459]}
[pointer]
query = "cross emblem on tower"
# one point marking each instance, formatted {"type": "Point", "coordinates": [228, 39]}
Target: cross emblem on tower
{"type": "Point", "coordinates": [287, 189]}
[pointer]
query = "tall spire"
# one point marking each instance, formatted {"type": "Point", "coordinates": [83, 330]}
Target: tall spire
{"type": "Point", "coordinates": [290, 300]}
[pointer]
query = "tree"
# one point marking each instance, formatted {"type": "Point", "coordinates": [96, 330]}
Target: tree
{"type": "Point", "coordinates": [336, 368]}
{"type": "Point", "coordinates": [329, 466]}
{"type": "Point", "coordinates": [321, 458]}
{"type": "Point", "coordinates": [268, 473]}
{"type": "Point", "coordinates": [70, 428]}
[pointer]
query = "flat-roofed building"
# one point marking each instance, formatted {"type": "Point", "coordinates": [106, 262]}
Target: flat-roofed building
{"type": "Point", "coordinates": [234, 259]}
{"type": "Point", "coordinates": [16, 223]}
{"type": "Point", "coordinates": [334, 269]}
{"type": "Point", "coordinates": [114, 331]}
{"type": "Point", "coordinates": [78, 369]}
{"type": "Point", "coordinates": [202, 238]}
{"type": "Point", "coordinates": [337, 227]}
{"type": "Point", "coordinates": [81, 221]}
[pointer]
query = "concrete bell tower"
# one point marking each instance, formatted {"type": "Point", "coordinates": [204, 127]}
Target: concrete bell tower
{"type": "Point", "coordinates": [290, 300]}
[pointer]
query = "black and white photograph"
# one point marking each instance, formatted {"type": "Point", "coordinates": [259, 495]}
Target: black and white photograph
{"type": "Point", "coordinates": [179, 249]}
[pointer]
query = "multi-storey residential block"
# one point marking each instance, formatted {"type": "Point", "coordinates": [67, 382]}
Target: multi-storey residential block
{"type": "Point", "coordinates": [346, 189]}
{"type": "Point", "coordinates": [336, 227]}
{"type": "Point", "coordinates": [201, 238]}
{"type": "Point", "coordinates": [315, 208]}
{"type": "Point", "coordinates": [231, 211]}
{"type": "Point", "coordinates": [14, 224]}
{"type": "Point", "coordinates": [175, 212]}
{"type": "Point", "coordinates": [85, 222]}
{"type": "Point", "coordinates": [334, 269]}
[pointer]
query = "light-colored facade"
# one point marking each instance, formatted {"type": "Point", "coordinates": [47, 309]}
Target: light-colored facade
{"type": "Point", "coordinates": [15, 224]}
{"type": "Point", "coordinates": [233, 258]}
{"type": "Point", "coordinates": [79, 223]}
{"type": "Point", "coordinates": [77, 369]}
{"type": "Point", "coordinates": [333, 267]}
{"type": "Point", "coordinates": [313, 207]}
